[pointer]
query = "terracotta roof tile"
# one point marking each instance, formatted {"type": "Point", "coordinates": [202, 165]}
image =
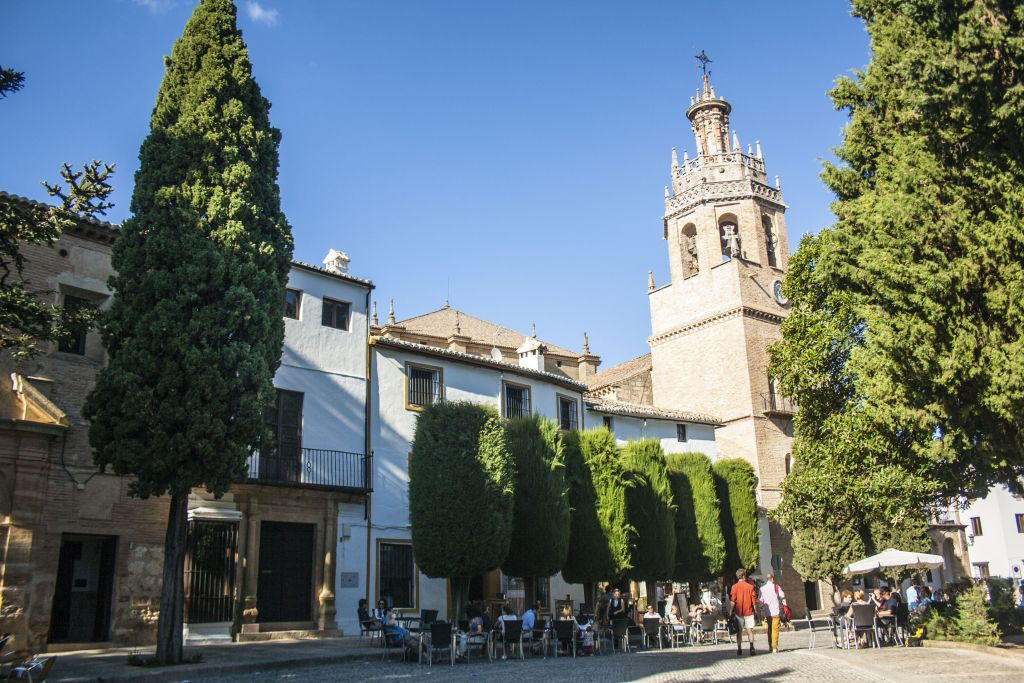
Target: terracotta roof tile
{"type": "Point", "coordinates": [634, 410]}
{"type": "Point", "coordinates": [620, 373]}
{"type": "Point", "coordinates": [441, 323]}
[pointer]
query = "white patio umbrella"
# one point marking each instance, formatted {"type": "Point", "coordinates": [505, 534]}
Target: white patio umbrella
{"type": "Point", "coordinates": [894, 559]}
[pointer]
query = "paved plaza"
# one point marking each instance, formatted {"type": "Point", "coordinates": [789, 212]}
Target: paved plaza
{"type": "Point", "coordinates": [707, 663]}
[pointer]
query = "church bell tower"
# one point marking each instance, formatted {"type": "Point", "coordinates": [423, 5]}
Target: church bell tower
{"type": "Point", "coordinates": [712, 324]}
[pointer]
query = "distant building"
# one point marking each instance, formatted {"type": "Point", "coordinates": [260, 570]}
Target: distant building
{"type": "Point", "coordinates": [995, 534]}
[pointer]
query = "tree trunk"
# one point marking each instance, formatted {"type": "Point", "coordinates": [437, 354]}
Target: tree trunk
{"type": "Point", "coordinates": [169, 626]}
{"type": "Point", "coordinates": [652, 593]}
{"type": "Point", "coordinates": [460, 598]}
{"type": "Point", "coordinates": [590, 595]}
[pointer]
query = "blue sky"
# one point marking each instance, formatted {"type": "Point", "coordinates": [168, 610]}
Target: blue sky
{"type": "Point", "coordinates": [511, 153]}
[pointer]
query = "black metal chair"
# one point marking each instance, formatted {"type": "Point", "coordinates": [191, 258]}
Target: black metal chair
{"type": "Point", "coordinates": [441, 638]}
{"type": "Point", "coordinates": [372, 628]}
{"type": "Point", "coordinates": [652, 629]}
{"type": "Point", "coordinates": [618, 632]}
{"type": "Point", "coordinates": [864, 623]}
{"type": "Point", "coordinates": [511, 634]}
{"type": "Point", "coordinates": [538, 635]}
{"type": "Point", "coordinates": [902, 624]}
{"type": "Point", "coordinates": [427, 617]}
{"type": "Point", "coordinates": [389, 643]}
{"type": "Point", "coordinates": [565, 633]}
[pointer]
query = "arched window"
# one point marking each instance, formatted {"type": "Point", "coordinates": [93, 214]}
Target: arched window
{"type": "Point", "coordinates": [771, 242]}
{"type": "Point", "coordinates": [729, 233]}
{"type": "Point", "coordinates": [688, 250]}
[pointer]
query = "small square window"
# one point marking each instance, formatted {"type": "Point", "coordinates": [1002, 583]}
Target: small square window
{"type": "Point", "coordinates": [609, 424]}
{"type": "Point", "coordinates": [1020, 522]}
{"type": "Point", "coordinates": [976, 526]}
{"type": "Point", "coordinates": [567, 412]}
{"type": "Point", "coordinates": [292, 303]}
{"type": "Point", "coordinates": [680, 433]}
{"type": "Point", "coordinates": [981, 570]}
{"type": "Point", "coordinates": [517, 401]}
{"type": "Point", "coordinates": [336, 314]}
{"type": "Point", "coordinates": [424, 386]}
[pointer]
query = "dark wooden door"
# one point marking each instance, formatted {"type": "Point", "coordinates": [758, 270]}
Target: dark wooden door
{"type": "Point", "coordinates": [285, 586]}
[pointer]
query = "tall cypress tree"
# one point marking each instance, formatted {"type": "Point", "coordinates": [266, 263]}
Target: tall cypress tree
{"type": "Point", "coordinates": [541, 522]}
{"type": "Point", "coordinates": [599, 540]}
{"type": "Point", "coordinates": [736, 484]}
{"type": "Point", "coordinates": [194, 332]}
{"type": "Point", "coordinates": [700, 546]}
{"type": "Point", "coordinates": [651, 512]}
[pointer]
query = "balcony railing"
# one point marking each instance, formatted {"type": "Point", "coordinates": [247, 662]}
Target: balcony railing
{"type": "Point", "coordinates": [777, 404]}
{"type": "Point", "coordinates": [313, 467]}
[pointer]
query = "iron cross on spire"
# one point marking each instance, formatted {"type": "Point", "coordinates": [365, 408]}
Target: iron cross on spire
{"type": "Point", "coordinates": [704, 61]}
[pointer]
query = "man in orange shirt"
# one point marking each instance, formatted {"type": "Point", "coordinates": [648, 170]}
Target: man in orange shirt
{"type": "Point", "coordinates": [744, 600]}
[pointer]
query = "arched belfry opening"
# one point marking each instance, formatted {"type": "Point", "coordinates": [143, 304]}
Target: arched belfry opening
{"type": "Point", "coordinates": [729, 236]}
{"type": "Point", "coordinates": [771, 241]}
{"type": "Point", "coordinates": [688, 249]}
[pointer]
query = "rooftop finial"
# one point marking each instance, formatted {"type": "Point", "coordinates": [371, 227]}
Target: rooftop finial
{"type": "Point", "coordinates": [736, 143]}
{"type": "Point", "coordinates": [675, 158]}
{"type": "Point", "coordinates": [458, 324]}
{"type": "Point", "coordinates": [586, 345]}
{"type": "Point", "coordinates": [650, 280]}
{"type": "Point", "coordinates": [778, 185]}
{"type": "Point", "coordinates": [391, 312]}
{"type": "Point", "coordinates": [666, 192]}
{"type": "Point", "coordinates": [373, 319]}
{"type": "Point", "coordinates": [757, 143]}
{"type": "Point", "coordinates": [533, 328]}
{"type": "Point", "coordinates": [446, 305]}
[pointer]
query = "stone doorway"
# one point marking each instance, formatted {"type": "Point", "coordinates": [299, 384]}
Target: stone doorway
{"type": "Point", "coordinates": [82, 595]}
{"type": "Point", "coordinates": [285, 587]}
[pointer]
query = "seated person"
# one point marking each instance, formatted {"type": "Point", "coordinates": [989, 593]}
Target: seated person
{"type": "Point", "coordinates": [365, 620]}
{"type": "Point", "coordinates": [506, 615]}
{"type": "Point", "coordinates": [858, 599]}
{"type": "Point", "coordinates": [396, 635]}
{"type": "Point", "coordinates": [651, 613]}
{"type": "Point", "coordinates": [477, 633]}
{"type": "Point", "coordinates": [924, 600]}
{"type": "Point", "coordinates": [845, 600]}
{"type": "Point", "coordinates": [380, 611]}
{"type": "Point", "coordinates": [709, 602]}
{"type": "Point", "coordinates": [887, 611]}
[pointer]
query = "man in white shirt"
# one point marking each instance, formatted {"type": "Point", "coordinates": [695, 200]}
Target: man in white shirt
{"type": "Point", "coordinates": [772, 597]}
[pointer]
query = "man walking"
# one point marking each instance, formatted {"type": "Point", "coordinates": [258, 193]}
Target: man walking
{"type": "Point", "coordinates": [743, 604]}
{"type": "Point", "coordinates": [772, 598]}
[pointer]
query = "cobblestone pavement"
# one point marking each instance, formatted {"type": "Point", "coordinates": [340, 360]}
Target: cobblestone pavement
{"type": "Point", "coordinates": [707, 663]}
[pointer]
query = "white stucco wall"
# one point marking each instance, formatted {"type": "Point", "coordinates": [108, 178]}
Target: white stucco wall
{"type": "Point", "coordinates": [1000, 544]}
{"type": "Point", "coordinates": [392, 430]}
{"type": "Point", "coordinates": [700, 438]}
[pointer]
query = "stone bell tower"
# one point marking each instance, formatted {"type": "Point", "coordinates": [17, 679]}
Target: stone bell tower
{"type": "Point", "coordinates": [712, 324]}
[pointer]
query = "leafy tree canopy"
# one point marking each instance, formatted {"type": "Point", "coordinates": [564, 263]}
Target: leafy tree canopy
{"type": "Point", "coordinates": [10, 81]}
{"type": "Point", "coordinates": [541, 521]}
{"type": "Point", "coordinates": [650, 510]}
{"type": "Point", "coordinates": [194, 333]}
{"type": "Point", "coordinates": [903, 345]}
{"type": "Point", "coordinates": [821, 553]}
{"type": "Point", "coordinates": [736, 485]}
{"type": "Point", "coordinates": [700, 545]}
{"type": "Point", "coordinates": [599, 540]}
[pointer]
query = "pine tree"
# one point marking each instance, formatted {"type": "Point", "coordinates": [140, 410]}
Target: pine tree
{"type": "Point", "coordinates": [461, 494]}
{"type": "Point", "coordinates": [599, 540]}
{"type": "Point", "coordinates": [541, 518]}
{"type": "Point", "coordinates": [972, 623]}
{"type": "Point", "coordinates": [700, 546]}
{"type": "Point", "coordinates": [651, 512]}
{"type": "Point", "coordinates": [907, 325]}
{"type": "Point", "coordinates": [736, 485]}
{"type": "Point", "coordinates": [194, 333]}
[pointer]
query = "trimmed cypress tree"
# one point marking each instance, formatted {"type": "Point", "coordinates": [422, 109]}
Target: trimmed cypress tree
{"type": "Point", "coordinates": [700, 546]}
{"type": "Point", "coordinates": [194, 332]}
{"type": "Point", "coordinates": [736, 484]}
{"type": "Point", "coordinates": [461, 484]}
{"type": "Point", "coordinates": [651, 511]}
{"type": "Point", "coordinates": [599, 540]}
{"type": "Point", "coordinates": [541, 517]}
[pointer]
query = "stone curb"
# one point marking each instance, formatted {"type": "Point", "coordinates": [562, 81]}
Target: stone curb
{"type": "Point", "coordinates": [1014, 653]}
{"type": "Point", "coordinates": [196, 671]}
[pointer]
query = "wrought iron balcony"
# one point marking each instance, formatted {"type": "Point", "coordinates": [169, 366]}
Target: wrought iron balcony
{"type": "Point", "coordinates": [311, 467]}
{"type": "Point", "coordinates": [775, 403]}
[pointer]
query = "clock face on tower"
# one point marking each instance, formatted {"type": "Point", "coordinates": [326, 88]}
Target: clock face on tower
{"type": "Point", "coordinates": [777, 292]}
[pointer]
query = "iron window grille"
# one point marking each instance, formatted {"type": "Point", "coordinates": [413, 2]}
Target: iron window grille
{"type": "Point", "coordinates": [567, 417]}
{"type": "Point", "coordinates": [396, 575]}
{"type": "Point", "coordinates": [424, 386]}
{"type": "Point", "coordinates": [517, 401]}
{"type": "Point", "coordinates": [680, 433]}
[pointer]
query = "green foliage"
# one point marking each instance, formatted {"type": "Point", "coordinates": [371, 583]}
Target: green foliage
{"type": "Point", "coordinates": [194, 333]}
{"type": "Point", "coordinates": [599, 541]}
{"type": "Point", "coordinates": [903, 345]}
{"type": "Point", "coordinates": [821, 553]}
{"type": "Point", "coordinates": [1001, 606]}
{"type": "Point", "coordinates": [26, 318]}
{"type": "Point", "coordinates": [10, 81]}
{"type": "Point", "coordinates": [650, 510]}
{"type": "Point", "coordinates": [541, 520]}
{"type": "Point", "coordinates": [700, 546]}
{"type": "Point", "coordinates": [736, 484]}
{"type": "Point", "coordinates": [972, 624]}
{"type": "Point", "coordinates": [461, 490]}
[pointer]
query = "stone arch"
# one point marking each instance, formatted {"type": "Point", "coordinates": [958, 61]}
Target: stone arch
{"type": "Point", "coordinates": [688, 249]}
{"type": "Point", "coordinates": [771, 241]}
{"type": "Point", "coordinates": [729, 236]}
{"type": "Point", "coordinates": [949, 571]}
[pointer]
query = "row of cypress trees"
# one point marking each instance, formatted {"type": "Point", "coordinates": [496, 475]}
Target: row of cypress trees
{"type": "Point", "coordinates": [532, 499]}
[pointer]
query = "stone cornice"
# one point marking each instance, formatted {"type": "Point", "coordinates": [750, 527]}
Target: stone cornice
{"type": "Point", "coordinates": [744, 311]}
{"type": "Point", "coordinates": [725, 191]}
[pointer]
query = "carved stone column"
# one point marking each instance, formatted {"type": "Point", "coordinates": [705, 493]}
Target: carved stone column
{"type": "Point", "coordinates": [250, 609]}
{"type": "Point", "coordinates": [327, 612]}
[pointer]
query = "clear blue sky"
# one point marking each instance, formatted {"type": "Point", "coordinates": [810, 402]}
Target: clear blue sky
{"type": "Point", "coordinates": [512, 151]}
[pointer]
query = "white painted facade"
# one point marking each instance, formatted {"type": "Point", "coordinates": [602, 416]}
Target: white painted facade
{"type": "Point", "coordinates": [392, 428]}
{"type": "Point", "coordinates": [999, 545]}
{"type": "Point", "coordinates": [700, 438]}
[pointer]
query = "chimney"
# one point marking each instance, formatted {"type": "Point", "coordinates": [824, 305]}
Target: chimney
{"type": "Point", "coordinates": [336, 262]}
{"type": "Point", "coordinates": [531, 354]}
